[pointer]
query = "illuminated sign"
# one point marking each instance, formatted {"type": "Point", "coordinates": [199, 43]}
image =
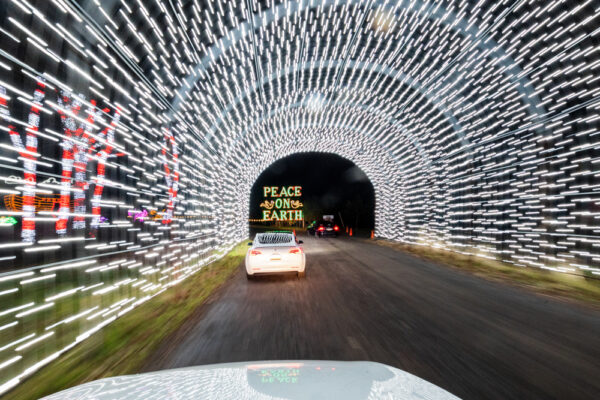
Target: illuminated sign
{"type": "Point", "coordinates": [7, 221]}
{"type": "Point", "coordinates": [282, 203]}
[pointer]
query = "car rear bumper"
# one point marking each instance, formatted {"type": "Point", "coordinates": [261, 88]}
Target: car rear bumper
{"type": "Point", "coordinates": [265, 264]}
{"type": "Point", "coordinates": [331, 234]}
{"type": "Point", "coordinates": [272, 270]}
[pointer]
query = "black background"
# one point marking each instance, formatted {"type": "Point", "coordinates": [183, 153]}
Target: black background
{"type": "Point", "coordinates": [330, 185]}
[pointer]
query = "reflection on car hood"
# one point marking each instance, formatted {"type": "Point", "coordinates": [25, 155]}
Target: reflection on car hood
{"type": "Point", "coordinates": [264, 380]}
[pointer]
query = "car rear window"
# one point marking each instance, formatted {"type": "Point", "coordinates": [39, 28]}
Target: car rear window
{"type": "Point", "coordinates": [274, 238]}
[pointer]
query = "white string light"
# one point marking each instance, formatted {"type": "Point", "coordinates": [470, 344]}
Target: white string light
{"type": "Point", "coordinates": [132, 136]}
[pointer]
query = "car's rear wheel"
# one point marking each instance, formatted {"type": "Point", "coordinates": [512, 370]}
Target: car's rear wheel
{"type": "Point", "coordinates": [302, 274]}
{"type": "Point", "coordinates": [249, 277]}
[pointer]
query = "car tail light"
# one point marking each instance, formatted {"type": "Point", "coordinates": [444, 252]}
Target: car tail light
{"type": "Point", "coordinates": [255, 252]}
{"type": "Point", "coordinates": [296, 250]}
{"type": "Point", "coordinates": [336, 228]}
{"type": "Point", "coordinates": [321, 228]}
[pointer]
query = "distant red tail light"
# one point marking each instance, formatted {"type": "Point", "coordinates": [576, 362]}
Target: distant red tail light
{"type": "Point", "coordinates": [336, 228]}
{"type": "Point", "coordinates": [255, 252]}
{"type": "Point", "coordinates": [321, 228]}
{"type": "Point", "coordinates": [296, 250]}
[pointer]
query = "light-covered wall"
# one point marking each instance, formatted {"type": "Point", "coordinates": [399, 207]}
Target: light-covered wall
{"type": "Point", "coordinates": [132, 131]}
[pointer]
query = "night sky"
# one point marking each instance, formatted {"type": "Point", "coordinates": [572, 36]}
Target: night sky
{"type": "Point", "coordinates": [330, 185]}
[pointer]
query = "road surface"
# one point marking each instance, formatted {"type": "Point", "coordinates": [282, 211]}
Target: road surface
{"type": "Point", "coordinates": [360, 301]}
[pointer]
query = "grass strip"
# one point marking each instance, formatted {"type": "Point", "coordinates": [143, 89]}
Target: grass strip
{"type": "Point", "coordinates": [123, 346]}
{"type": "Point", "coordinates": [568, 287]}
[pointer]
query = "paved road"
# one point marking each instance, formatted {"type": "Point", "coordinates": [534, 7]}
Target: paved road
{"type": "Point", "coordinates": [359, 301]}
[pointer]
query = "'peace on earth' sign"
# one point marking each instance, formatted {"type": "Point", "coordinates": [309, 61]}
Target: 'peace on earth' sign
{"type": "Point", "coordinates": [284, 191]}
{"type": "Point", "coordinates": [285, 207]}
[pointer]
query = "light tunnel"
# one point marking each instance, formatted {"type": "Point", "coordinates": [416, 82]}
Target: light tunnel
{"type": "Point", "coordinates": [132, 132]}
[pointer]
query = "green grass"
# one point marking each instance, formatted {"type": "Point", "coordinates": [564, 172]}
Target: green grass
{"type": "Point", "coordinates": [565, 286]}
{"type": "Point", "coordinates": [123, 346]}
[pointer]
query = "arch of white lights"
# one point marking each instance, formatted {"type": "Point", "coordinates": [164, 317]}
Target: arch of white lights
{"type": "Point", "coordinates": [329, 140]}
{"type": "Point", "coordinates": [132, 131]}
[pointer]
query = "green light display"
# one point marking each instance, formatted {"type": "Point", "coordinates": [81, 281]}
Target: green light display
{"type": "Point", "coordinates": [282, 203]}
{"type": "Point", "coordinates": [8, 221]}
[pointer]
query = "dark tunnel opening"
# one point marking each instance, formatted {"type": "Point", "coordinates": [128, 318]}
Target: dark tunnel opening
{"type": "Point", "coordinates": [331, 185]}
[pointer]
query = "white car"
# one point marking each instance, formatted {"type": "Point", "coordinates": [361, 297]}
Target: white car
{"type": "Point", "coordinates": [348, 380]}
{"type": "Point", "coordinates": [273, 252]}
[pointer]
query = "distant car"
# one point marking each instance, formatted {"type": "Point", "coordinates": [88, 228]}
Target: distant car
{"type": "Point", "coordinates": [274, 252]}
{"type": "Point", "coordinates": [327, 228]}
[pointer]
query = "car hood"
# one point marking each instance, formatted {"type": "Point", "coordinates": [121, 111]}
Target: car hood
{"type": "Point", "coordinates": [264, 380]}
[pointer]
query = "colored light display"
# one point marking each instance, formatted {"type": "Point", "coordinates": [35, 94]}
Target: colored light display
{"type": "Point", "coordinates": [132, 132]}
{"type": "Point", "coordinates": [8, 221]}
{"type": "Point", "coordinates": [282, 203]}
